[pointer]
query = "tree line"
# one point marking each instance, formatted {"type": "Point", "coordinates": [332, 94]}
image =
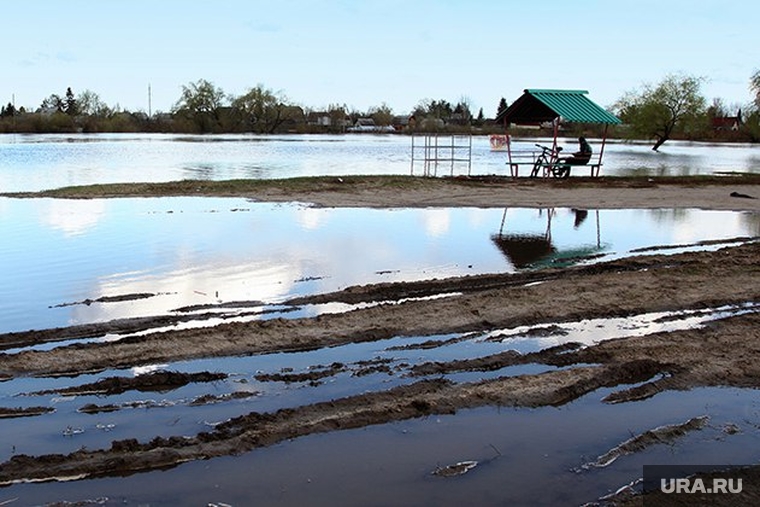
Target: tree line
{"type": "Point", "coordinates": [205, 108]}
{"type": "Point", "coordinates": [674, 108]}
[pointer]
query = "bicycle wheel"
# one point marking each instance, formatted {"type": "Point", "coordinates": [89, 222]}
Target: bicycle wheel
{"type": "Point", "coordinates": [561, 171]}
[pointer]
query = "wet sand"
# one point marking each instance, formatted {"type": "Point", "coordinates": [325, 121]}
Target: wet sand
{"type": "Point", "coordinates": [724, 353]}
{"type": "Point", "coordinates": [614, 193]}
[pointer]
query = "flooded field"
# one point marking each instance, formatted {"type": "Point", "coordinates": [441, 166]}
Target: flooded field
{"type": "Point", "coordinates": [39, 162]}
{"type": "Point", "coordinates": [221, 351]}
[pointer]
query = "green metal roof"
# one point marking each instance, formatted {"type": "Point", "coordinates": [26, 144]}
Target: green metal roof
{"type": "Point", "coordinates": [537, 106]}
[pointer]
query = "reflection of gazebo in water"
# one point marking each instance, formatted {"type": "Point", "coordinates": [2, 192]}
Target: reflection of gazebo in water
{"type": "Point", "coordinates": [536, 250]}
{"type": "Point", "coordinates": [536, 107]}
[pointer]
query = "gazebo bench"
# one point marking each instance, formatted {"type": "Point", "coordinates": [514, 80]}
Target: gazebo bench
{"type": "Point", "coordinates": [527, 159]}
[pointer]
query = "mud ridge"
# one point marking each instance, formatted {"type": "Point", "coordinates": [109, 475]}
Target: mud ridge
{"type": "Point", "coordinates": [9, 413]}
{"type": "Point", "coordinates": [109, 299]}
{"type": "Point", "coordinates": [159, 381]}
{"type": "Point", "coordinates": [254, 430]}
{"type": "Point", "coordinates": [205, 399]}
{"type": "Point", "coordinates": [660, 435]}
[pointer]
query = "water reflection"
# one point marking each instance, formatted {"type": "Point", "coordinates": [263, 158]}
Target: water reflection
{"type": "Point", "coordinates": [524, 249]}
{"type": "Point", "coordinates": [537, 250]}
{"type": "Point", "coordinates": [38, 162]}
{"type": "Point", "coordinates": [72, 218]}
{"type": "Point", "coordinates": [67, 262]}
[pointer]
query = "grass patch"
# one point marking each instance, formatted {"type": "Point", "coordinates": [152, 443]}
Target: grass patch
{"type": "Point", "coordinates": [238, 187]}
{"type": "Point", "coordinates": [348, 184]}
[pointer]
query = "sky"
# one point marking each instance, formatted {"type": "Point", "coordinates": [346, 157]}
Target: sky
{"type": "Point", "coordinates": [366, 53]}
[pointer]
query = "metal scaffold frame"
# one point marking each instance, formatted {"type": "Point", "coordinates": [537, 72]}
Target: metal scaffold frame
{"type": "Point", "coordinates": [434, 150]}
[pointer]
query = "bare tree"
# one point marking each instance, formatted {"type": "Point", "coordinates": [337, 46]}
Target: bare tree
{"type": "Point", "coordinates": [754, 85]}
{"type": "Point", "coordinates": [90, 104]}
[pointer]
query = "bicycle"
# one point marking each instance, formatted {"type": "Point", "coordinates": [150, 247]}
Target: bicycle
{"type": "Point", "coordinates": [547, 161]}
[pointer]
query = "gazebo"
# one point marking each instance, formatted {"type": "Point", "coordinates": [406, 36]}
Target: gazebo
{"type": "Point", "coordinates": [536, 107]}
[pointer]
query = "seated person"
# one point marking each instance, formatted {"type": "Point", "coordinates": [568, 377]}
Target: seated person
{"type": "Point", "coordinates": [580, 157]}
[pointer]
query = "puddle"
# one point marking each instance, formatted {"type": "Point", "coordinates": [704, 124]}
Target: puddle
{"type": "Point", "coordinates": [592, 331]}
{"type": "Point", "coordinates": [73, 262]}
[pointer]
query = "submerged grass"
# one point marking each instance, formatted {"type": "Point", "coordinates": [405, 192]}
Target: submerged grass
{"type": "Point", "coordinates": [319, 184]}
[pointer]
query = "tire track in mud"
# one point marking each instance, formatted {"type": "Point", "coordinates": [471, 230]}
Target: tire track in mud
{"type": "Point", "coordinates": [615, 289]}
{"type": "Point", "coordinates": [420, 399]}
{"type": "Point", "coordinates": [242, 434]}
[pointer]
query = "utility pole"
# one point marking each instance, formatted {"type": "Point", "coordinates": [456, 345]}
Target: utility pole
{"type": "Point", "coordinates": [150, 109]}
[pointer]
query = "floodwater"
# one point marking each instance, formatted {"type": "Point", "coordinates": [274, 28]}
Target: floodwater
{"type": "Point", "coordinates": [68, 262]}
{"type": "Point", "coordinates": [38, 162]}
{"type": "Point", "coordinates": [79, 261]}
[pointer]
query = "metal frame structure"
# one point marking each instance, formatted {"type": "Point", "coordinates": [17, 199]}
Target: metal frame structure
{"type": "Point", "coordinates": [450, 149]}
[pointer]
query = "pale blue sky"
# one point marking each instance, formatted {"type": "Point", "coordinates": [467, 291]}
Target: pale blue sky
{"type": "Point", "coordinates": [364, 53]}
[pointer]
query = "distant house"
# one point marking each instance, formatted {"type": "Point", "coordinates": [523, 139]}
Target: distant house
{"type": "Point", "coordinates": [319, 118]}
{"type": "Point", "coordinates": [432, 122]}
{"type": "Point", "coordinates": [732, 123]}
{"type": "Point", "coordinates": [402, 122]}
{"type": "Point", "coordinates": [365, 125]}
{"type": "Point", "coordinates": [368, 125]}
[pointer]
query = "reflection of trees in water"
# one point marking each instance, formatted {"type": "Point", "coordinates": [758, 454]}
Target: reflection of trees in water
{"type": "Point", "coordinates": [752, 223]}
{"type": "Point", "coordinates": [642, 161]}
{"type": "Point", "coordinates": [680, 159]}
{"type": "Point", "coordinates": [748, 222]}
{"type": "Point", "coordinates": [669, 215]}
{"type": "Point", "coordinates": [201, 171]}
{"type": "Point", "coordinates": [662, 170]}
{"type": "Point", "coordinates": [753, 164]}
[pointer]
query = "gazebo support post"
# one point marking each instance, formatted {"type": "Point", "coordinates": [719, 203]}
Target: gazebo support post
{"type": "Point", "coordinates": [512, 169]}
{"type": "Point", "coordinates": [601, 151]}
{"type": "Point", "coordinates": [555, 128]}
